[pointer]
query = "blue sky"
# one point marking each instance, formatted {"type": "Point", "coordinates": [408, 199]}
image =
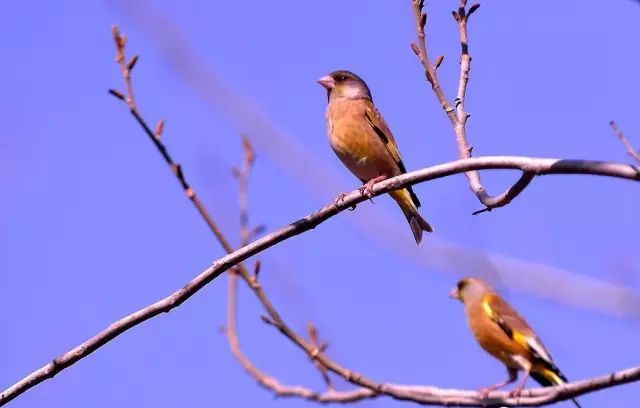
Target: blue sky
{"type": "Point", "coordinates": [92, 225]}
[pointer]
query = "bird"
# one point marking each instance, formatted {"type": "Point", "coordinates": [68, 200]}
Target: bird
{"type": "Point", "coordinates": [504, 334]}
{"type": "Point", "coordinates": [363, 142]}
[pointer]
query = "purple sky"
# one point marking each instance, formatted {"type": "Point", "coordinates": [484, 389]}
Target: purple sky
{"type": "Point", "coordinates": [92, 225]}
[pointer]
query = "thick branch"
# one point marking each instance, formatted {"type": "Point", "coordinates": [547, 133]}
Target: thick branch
{"type": "Point", "coordinates": [527, 164]}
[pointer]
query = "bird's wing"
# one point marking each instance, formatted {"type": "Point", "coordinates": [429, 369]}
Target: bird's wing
{"type": "Point", "coordinates": [519, 331]}
{"type": "Point", "coordinates": [515, 326]}
{"type": "Point", "coordinates": [381, 129]}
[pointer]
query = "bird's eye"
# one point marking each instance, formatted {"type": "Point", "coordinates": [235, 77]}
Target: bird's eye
{"type": "Point", "coordinates": [342, 78]}
{"type": "Point", "coordinates": [462, 284]}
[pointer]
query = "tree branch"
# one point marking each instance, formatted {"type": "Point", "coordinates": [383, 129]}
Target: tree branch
{"type": "Point", "coordinates": [156, 134]}
{"type": "Point", "coordinates": [529, 164]}
{"type": "Point", "coordinates": [246, 234]}
{"type": "Point", "coordinates": [267, 381]}
{"type": "Point", "coordinates": [456, 112]}
{"type": "Point", "coordinates": [635, 154]}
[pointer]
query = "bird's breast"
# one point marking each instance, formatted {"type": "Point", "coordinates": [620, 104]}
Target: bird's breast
{"type": "Point", "coordinates": [355, 142]}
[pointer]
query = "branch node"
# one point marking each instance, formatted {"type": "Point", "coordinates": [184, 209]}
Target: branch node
{"type": "Point", "coordinates": [159, 129]}
{"type": "Point", "coordinates": [415, 49]}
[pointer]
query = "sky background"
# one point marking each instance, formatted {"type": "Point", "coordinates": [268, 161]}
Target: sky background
{"type": "Point", "coordinates": [93, 226]}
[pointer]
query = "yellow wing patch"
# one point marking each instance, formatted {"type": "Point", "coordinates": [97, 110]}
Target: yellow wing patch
{"type": "Point", "coordinates": [553, 377]}
{"type": "Point", "coordinates": [515, 335]}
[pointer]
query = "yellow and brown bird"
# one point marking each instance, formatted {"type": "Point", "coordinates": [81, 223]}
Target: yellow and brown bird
{"type": "Point", "coordinates": [362, 140]}
{"type": "Point", "coordinates": [504, 334]}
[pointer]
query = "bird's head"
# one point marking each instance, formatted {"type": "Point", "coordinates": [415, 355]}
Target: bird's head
{"type": "Point", "coordinates": [344, 84]}
{"type": "Point", "coordinates": [469, 289]}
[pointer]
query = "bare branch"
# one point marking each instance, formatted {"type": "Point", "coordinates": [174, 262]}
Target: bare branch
{"type": "Point", "coordinates": [528, 164]}
{"type": "Point", "coordinates": [635, 154]}
{"type": "Point", "coordinates": [319, 347]}
{"type": "Point", "coordinates": [456, 112]}
{"type": "Point", "coordinates": [267, 381]}
{"type": "Point", "coordinates": [246, 233]}
{"type": "Point", "coordinates": [154, 136]}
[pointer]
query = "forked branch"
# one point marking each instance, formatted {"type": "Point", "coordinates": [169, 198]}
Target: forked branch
{"type": "Point", "coordinates": [456, 112]}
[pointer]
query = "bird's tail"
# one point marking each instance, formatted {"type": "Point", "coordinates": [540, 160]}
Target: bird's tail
{"type": "Point", "coordinates": [410, 211]}
{"type": "Point", "coordinates": [551, 376]}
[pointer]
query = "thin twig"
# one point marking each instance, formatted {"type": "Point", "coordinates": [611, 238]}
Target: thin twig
{"type": "Point", "coordinates": [246, 233]}
{"type": "Point", "coordinates": [154, 136]}
{"type": "Point", "coordinates": [311, 221]}
{"type": "Point", "coordinates": [319, 347]}
{"type": "Point", "coordinates": [267, 381]}
{"type": "Point", "coordinates": [456, 112]}
{"type": "Point", "coordinates": [635, 154]}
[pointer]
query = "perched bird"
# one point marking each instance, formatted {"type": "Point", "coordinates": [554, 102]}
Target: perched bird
{"type": "Point", "coordinates": [362, 140]}
{"type": "Point", "coordinates": [502, 332]}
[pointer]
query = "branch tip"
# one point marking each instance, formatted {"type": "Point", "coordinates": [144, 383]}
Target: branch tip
{"type": "Point", "coordinates": [438, 61]}
{"type": "Point", "coordinates": [117, 94]}
{"type": "Point", "coordinates": [473, 9]}
{"type": "Point", "coordinates": [132, 62]}
{"type": "Point", "coordinates": [268, 320]}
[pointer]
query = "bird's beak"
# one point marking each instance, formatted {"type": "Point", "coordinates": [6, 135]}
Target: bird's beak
{"type": "Point", "coordinates": [454, 294]}
{"type": "Point", "coordinates": [327, 82]}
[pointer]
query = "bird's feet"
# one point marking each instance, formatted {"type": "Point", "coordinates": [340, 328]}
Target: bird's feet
{"type": "Point", "coordinates": [484, 392]}
{"type": "Point", "coordinates": [367, 189]}
{"type": "Point", "coordinates": [516, 393]}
